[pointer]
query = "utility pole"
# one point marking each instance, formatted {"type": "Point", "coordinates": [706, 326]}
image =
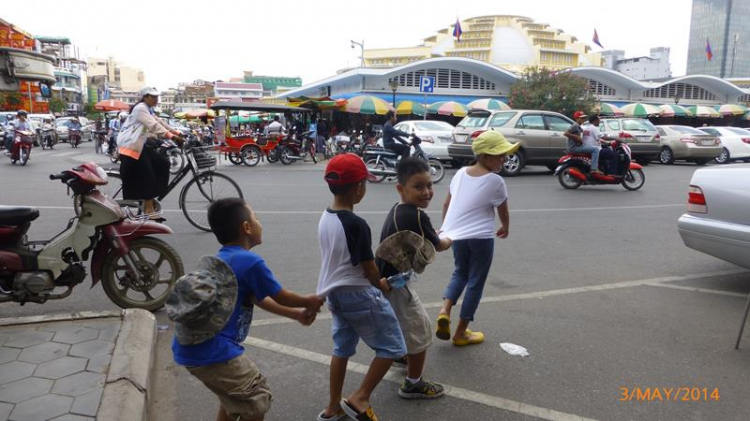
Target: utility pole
{"type": "Point", "coordinates": [734, 53]}
{"type": "Point", "coordinates": [361, 51]}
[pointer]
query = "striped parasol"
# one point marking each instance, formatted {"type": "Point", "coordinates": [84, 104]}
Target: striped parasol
{"type": "Point", "coordinates": [703, 111]}
{"type": "Point", "coordinates": [409, 108]}
{"type": "Point", "coordinates": [609, 109]}
{"type": "Point", "coordinates": [640, 109]}
{"type": "Point", "coordinates": [366, 104]}
{"type": "Point", "coordinates": [200, 112]}
{"type": "Point", "coordinates": [111, 105]}
{"type": "Point", "coordinates": [488, 104]}
{"type": "Point", "coordinates": [674, 110]}
{"type": "Point", "coordinates": [731, 109]}
{"type": "Point", "coordinates": [451, 108]}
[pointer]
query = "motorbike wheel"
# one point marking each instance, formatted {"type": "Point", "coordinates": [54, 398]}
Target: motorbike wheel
{"type": "Point", "coordinates": [155, 282]}
{"type": "Point", "coordinates": [373, 164]}
{"type": "Point", "coordinates": [568, 181]}
{"type": "Point", "coordinates": [250, 155]}
{"type": "Point", "coordinates": [437, 170]}
{"type": "Point", "coordinates": [23, 156]}
{"type": "Point", "coordinates": [273, 156]}
{"type": "Point", "coordinates": [285, 155]}
{"type": "Point", "coordinates": [201, 191]}
{"type": "Point", "coordinates": [234, 158]}
{"type": "Point", "coordinates": [634, 180]}
{"type": "Point", "coordinates": [44, 144]}
{"type": "Point", "coordinates": [176, 161]}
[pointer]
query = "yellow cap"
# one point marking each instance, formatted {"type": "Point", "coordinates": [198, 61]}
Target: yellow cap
{"type": "Point", "coordinates": [493, 143]}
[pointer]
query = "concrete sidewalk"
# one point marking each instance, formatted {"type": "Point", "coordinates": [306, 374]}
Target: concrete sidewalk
{"type": "Point", "coordinates": [75, 367]}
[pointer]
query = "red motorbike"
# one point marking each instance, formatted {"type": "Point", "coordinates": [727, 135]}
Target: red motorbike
{"type": "Point", "coordinates": [574, 170]}
{"type": "Point", "coordinates": [135, 269]}
{"type": "Point", "coordinates": [21, 150]}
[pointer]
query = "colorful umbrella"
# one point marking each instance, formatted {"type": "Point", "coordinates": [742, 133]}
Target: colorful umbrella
{"type": "Point", "coordinates": [366, 104]}
{"type": "Point", "coordinates": [640, 110]}
{"type": "Point", "coordinates": [731, 109]}
{"type": "Point", "coordinates": [111, 105]}
{"type": "Point", "coordinates": [488, 104]}
{"type": "Point", "coordinates": [448, 108]}
{"type": "Point", "coordinates": [674, 110]}
{"type": "Point", "coordinates": [254, 118]}
{"type": "Point", "coordinates": [703, 111]}
{"type": "Point", "coordinates": [314, 104]}
{"type": "Point", "coordinates": [409, 108]}
{"type": "Point", "coordinates": [201, 112]}
{"type": "Point", "coordinates": [180, 115]}
{"type": "Point", "coordinates": [609, 109]}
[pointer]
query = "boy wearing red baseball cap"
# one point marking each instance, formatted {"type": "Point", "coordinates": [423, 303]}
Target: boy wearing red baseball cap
{"type": "Point", "coordinates": [352, 284]}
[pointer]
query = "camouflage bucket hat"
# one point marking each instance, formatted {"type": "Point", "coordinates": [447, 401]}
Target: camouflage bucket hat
{"type": "Point", "coordinates": [202, 301]}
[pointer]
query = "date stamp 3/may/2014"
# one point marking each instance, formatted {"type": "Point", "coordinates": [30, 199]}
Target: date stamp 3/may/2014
{"type": "Point", "coordinates": [669, 394]}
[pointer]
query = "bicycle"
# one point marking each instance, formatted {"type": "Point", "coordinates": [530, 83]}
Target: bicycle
{"type": "Point", "coordinates": [205, 186]}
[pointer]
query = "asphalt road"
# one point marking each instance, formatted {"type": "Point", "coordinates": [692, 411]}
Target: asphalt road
{"type": "Point", "coordinates": [595, 283]}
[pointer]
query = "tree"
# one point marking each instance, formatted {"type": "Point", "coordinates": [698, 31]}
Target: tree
{"type": "Point", "coordinates": [543, 89]}
{"type": "Point", "coordinates": [57, 105]}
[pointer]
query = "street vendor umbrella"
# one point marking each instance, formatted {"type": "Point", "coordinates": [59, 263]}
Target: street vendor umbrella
{"type": "Point", "coordinates": [488, 104]}
{"type": "Point", "coordinates": [366, 104]}
{"type": "Point", "coordinates": [111, 105]}
{"type": "Point", "coordinates": [322, 105]}
{"type": "Point", "coordinates": [640, 110]}
{"type": "Point", "coordinates": [609, 109]}
{"type": "Point", "coordinates": [201, 112]}
{"type": "Point", "coordinates": [254, 118]}
{"type": "Point", "coordinates": [731, 109]}
{"type": "Point", "coordinates": [409, 107]}
{"type": "Point", "coordinates": [703, 111]}
{"type": "Point", "coordinates": [180, 115]}
{"type": "Point", "coordinates": [451, 108]}
{"type": "Point", "coordinates": [674, 110]}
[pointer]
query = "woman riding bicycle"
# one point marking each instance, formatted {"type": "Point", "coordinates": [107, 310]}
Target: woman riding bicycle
{"type": "Point", "coordinates": [145, 173]}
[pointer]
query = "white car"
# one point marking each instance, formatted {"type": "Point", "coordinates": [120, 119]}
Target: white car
{"type": "Point", "coordinates": [717, 221]}
{"type": "Point", "coordinates": [435, 135]}
{"type": "Point", "coordinates": [736, 143]}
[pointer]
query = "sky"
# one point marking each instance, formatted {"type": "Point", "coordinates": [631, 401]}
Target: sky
{"type": "Point", "coordinates": [311, 38]}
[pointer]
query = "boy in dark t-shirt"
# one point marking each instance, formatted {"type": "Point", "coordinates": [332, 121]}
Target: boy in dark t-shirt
{"type": "Point", "coordinates": [415, 188]}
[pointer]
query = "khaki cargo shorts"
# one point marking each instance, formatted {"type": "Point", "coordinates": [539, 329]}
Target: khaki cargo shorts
{"type": "Point", "coordinates": [413, 318]}
{"type": "Point", "coordinates": [242, 390]}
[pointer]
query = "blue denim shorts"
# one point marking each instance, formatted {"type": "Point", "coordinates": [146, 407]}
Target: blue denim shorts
{"type": "Point", "coordinates": [363, 312]}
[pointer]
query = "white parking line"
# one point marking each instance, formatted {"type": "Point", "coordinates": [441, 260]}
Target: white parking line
{"type": "Point", "coordinates": [393, 377]}
{"type": "Point", "coordinates": [703, 290]}
{"type": "Point", "coordinates": [67, 153]}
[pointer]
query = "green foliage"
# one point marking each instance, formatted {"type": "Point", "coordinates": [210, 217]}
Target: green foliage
{"type": "Point", "coordinates": [89, 111]}
{"type": "Point", "coordinates": [57, 105]}
{"type": "Point", "coordinates": [543, 89]}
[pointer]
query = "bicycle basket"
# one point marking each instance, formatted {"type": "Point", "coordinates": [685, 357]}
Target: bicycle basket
{"type": "Point", "coordinates": [202, 158]}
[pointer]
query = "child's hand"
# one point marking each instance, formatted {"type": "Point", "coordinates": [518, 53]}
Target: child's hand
{"type": "Point", "coordinates": [384, 287]}
{"type": "Point", "coordinates": [314, 303]}
{"type": "Point", "coordinates": [305, 317]}
{"type": "Point", "coordinates": [502, 232]}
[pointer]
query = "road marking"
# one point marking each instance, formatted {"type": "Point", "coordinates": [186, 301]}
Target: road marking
{"type": "Point", "coordinates": [552, 293]}
{"type": "Point", "coordinates": [393, 377]}
{"type": "Point", "coordinates": [703, 290]}
{"type": "Point", "coordinates": [66, 153]}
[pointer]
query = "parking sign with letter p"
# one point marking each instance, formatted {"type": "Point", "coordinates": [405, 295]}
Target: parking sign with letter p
{"type": "Point", "coordinates": [426, 84]}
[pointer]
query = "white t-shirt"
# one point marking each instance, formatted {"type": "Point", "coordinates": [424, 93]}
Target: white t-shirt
{"type": "Point", "coordinates": [471, 213]}
{"type": "Point", "coordinates": [275, 127]}
{"type": "Point", "coordinates": [591, 135]}
{"type": "Point", "coordinates": [345, 241]}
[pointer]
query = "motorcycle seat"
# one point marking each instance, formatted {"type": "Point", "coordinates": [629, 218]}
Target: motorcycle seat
{"type": "Point", "coordinates": [585, 155]}
{"type": "Point", "coordinates": [17, 215]}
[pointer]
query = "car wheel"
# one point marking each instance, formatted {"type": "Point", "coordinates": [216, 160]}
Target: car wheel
{"type": "Point", "coordinates": [666, 156]}
{"type": "Point", "coordinates": [724, 157]}
{"type": "Point", "coordinates": [513, 164]}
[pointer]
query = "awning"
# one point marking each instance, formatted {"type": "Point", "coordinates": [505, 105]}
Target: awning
{"type": "Point", "coordinates": [257, 106]}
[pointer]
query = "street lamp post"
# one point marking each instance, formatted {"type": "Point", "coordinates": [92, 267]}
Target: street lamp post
{"type": "Point", "coordinates": [361, 52]}
{"type": "Point", "coordinates": [677, 99]}
{"type": "Point", "coordinates": [394, 86]}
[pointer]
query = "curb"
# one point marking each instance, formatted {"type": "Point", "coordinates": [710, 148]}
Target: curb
{"type": "Point", "coordinates": [125, 395]}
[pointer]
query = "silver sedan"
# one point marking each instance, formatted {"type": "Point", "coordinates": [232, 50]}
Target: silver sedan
{"type": "Point", "coordinates": [718, 218]}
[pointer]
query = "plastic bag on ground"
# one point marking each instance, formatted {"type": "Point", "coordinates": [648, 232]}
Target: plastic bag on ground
{"type": "Point", "coordinates": [514, 349]}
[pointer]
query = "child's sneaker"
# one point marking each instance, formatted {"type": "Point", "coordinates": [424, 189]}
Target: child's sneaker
{"type": "Point", "coordinates": [420, 390]}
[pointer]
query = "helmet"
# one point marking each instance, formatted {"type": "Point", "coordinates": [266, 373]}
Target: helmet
{"type": "Point", "coordinates": [148, 91]}
{"type": "Point", "coordinates": [123, 115]}
{"type": "Point", "coordinates": [21, 112]}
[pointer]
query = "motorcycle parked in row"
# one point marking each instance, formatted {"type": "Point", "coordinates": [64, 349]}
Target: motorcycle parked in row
{"type": "Point", "coordinates": [136, 270]}
{"type": "Point", "coordinates": [295, 147]}
{"type": "Point", "coordinates": [382, 162]}
{"type": "Point", "coordinates": [21, 149]}
{"type": "Point", "coordinates": [574, 170]}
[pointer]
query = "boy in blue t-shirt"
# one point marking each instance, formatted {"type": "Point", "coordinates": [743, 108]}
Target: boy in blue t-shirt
{"type": "Point", "coordinates": [220, 362]}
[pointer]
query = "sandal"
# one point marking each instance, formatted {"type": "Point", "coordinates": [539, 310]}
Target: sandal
{"type": "Point", "coordinates": [472, 338]}
{"type": "Point", "coordinates": [366, 415]}
{"type": "Point", "coordinates": [339, 416]}
{"type": "Point", "coordinates": [443, 330]}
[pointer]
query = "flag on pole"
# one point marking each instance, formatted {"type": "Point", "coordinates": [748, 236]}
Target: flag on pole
{"type": "Point", "coordinates": [596, 39]}
{"type": "Point", "coordinates": [457, 30]}
{"type": "Point", "coordinates": [709, 54]}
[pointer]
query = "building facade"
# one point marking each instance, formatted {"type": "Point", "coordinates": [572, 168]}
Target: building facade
{"type": "Point", "coordinates": [725, 25]}
{"type": "Point", "coordinates": [514, 43]}
{"type": "Point", "coordinates": [272, 84]}
{"type": "Point", "coordinates": [238, 91]}
{"type": "Point", "coordinates": [107, 74]}
{"type": "Point", "coordinates": [192, 95]}
{"type": "Point", "coordinates": [25, 74]}
{"type": "Point", "coordinates": [70, 71]}
{"type": "Point", "coordinates": [654, 66]}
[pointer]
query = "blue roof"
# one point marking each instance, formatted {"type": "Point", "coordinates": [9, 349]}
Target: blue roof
{"type": "Point", "coordinates": [431, 99]}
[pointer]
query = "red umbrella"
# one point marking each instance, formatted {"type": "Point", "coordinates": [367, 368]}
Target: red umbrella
{"type": "Point", "coordinates": [111, 105]}
{"type": "Point", "coordinates": [200, 113]}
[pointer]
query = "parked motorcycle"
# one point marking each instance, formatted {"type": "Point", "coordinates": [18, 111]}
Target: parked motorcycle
{"type": "Point", "coordinates": [21, 149]}
{"type": "Point", "coordinates": [295, 147]}
{"type": "Point", "coordinates": [574, 170]}
{"type": "Point", "coordinates": [136, 270]}
{"type": "Point", "coordinates": [74, 137]}
{"type": "Point", "coordinates": [382, 162]}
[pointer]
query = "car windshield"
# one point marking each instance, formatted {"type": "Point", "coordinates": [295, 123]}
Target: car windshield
{"type": "Point", "coordinates": [438, 126]}
{"type": "Point", "coordinates": [474, 120]}
{"type": "Point", "coordinates": [687, 130]}
{"type": "Point", "coordinates": [65, 123]}
{"type": "Point", "coordinates": [638, 125]}
{"type": "Point", "coordinates": [736, 130]}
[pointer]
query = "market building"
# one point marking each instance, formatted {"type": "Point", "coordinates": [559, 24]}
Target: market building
{"type": "Point", "coordinates": [514, 43]}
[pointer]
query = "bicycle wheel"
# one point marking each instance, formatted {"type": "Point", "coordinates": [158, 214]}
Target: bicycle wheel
{"type": "Point", "coordinates": [201, 191]}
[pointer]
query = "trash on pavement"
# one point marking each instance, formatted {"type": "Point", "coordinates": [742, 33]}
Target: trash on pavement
{"type": "Point", "coordinates": [162, 328]}
{"type": "Point", "coordinates": [514, 349]}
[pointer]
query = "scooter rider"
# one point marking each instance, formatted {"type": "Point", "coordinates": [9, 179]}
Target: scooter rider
{"type": "Point", "coordinates": [114, 128]}
{"type": "Point", "coordinates": [9, 126]}
{"type": "Point", "coordinates": [391, 134]}
{"type": "Point", "coordinates": [576, 144]}
{"type": "Point", "coordinates": [592, 138]}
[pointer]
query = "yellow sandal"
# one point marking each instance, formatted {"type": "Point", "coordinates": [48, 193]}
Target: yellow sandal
{"type": "Point", "coordinates": [472, 338]}
{"type": "Point", "coordinates": [443, 330]}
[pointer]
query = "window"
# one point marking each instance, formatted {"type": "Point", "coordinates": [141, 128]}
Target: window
{"type": "Point", "coordinates": [598, 88]}
{"type": "Point", "coordinates": [638, 124]}
{"type": "Point", "coordinates": [499, 119]}
{"type": "Point", "coordinates": [531, 121]}
{"type": "Point", "coordinates": [738, 131]}
{"type": "Point", "coordinates": [445, 78]}
{"type": "Point", "coordinates": [437, 126]}
{"type": "Point", "coordinates": [661, 131]}
{"type": "Point", "coordinates": [684, 130]}
{"type": "Point", "coordinates": [474, 120]}
{"type": "Point", "coordinates": [557, 124]}
{"type": "Point", "coordinates": [710, 131]}
{"type": "Point", "coordinates": [613, 125]}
